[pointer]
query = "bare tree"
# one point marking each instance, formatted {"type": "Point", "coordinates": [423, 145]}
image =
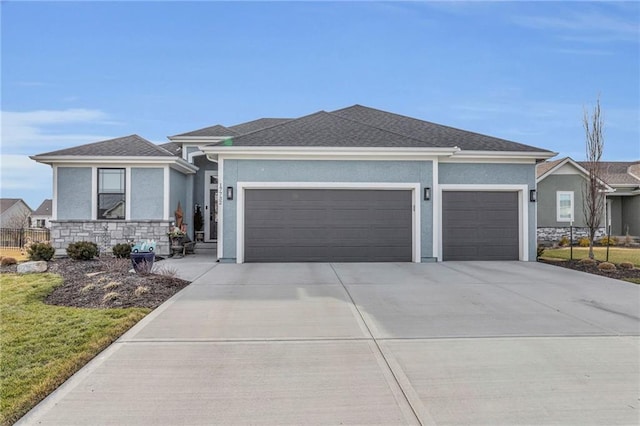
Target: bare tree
{"type": "Point", "coordinates": [593, 190]}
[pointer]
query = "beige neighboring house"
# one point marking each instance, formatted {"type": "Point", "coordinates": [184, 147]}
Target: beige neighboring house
{"type": "Point", "coordinates": [14, 213]}
{"type": "Point", "coordinates": [41, 217]}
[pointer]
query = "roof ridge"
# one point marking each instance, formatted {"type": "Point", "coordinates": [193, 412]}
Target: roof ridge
{"type": "Point", "coordinates": [434, 123]}
{"type": "Point", "coordinates": [148, 142]}
{"type": "Point", "coordinates": [377, 128]}
{"type": "Point", "coordinates": [279, 124]}
{"type": "Point", "coordinates": [203, 128]}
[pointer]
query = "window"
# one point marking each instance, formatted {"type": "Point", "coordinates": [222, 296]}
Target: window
{"type": "Point", "coordinates": [111, 194]}
{"type": "Point", "coordinates": [41, 223]}
{"type": "Point", "coordinates": [564, 206]}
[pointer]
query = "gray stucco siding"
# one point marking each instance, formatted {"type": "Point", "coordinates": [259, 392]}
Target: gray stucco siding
{"type": "Point", "coordinates": [74, 193]}
{"type": "Point", "coordinates": [495, 174]}
{"type": "Point", "coordinates": [147, 193]}
{"type": "Point", "coordinates": [547, 199]}
{"type": "Point", "coordinates": [327, 171]}
{"type": "Point", "coordinates": [630, 215]}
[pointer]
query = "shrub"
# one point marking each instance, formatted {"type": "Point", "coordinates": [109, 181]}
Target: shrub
{"type": "Point", "coordinates": [8, 261]}
{"type": "Point", "coordinates": [612, 241]}
{"type": "Point", "coordinates": [606, 266]}
{"type": "Point", "coordinates": [40, 251]}
{"type": "Point", "coordinates": [82, 250]}
{"type": "Point", "coordinates": [110, 297]}
{"type": "Point", "coordinates": [87, 288]}
{"type": "Point", "coordinates": [626, 265]}
{"type": "Point", "coordinates": [111, 285]}
{"type": "Point", "coordinates": [140, 290]}
{"type": "Point", "coordinates": [583, 242]}
{"type": "Point", "coordinates": [588, 261]}
{"type": "Point", "coordinates": [564, 241]}
{"type": "Point", "coordinates": [122, 251]}
{"type": "Point", "coordinates": [540, 251]}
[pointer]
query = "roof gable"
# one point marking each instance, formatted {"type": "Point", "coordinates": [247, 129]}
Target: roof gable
{"type": "Point", "coordinates": [431, 134]}
{"type": "Point", "coordinates": [7, 203]}
{"type": "Point", "coordinates": [44, 209]}
{"type": "Point", "coordinates": [324, 129]}
{"type": "Point", "coordinates": [127, 146]}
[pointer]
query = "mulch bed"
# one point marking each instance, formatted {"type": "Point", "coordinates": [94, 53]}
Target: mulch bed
{"type": "Point", "coordinates": [107, 283]}
{"type": "Point", "coordinates": [619, 273]}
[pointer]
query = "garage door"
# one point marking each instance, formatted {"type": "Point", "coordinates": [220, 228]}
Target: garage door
{"type": "Point", "coordinates": [480, 226]}
{"type": "Point", "coordinates": [327, 225]}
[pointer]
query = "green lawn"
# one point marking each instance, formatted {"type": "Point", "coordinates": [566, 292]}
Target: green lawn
{"type": "Point", "coordinates": [616, 254]}
{"type": "Point", "coordinates": [43, 345]}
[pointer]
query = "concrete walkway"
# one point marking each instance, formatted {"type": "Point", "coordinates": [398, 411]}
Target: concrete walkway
{"type": "Point", "coordinates": [449, 343]}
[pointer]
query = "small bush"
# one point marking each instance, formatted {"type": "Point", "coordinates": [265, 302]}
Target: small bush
{"type": "Point", "coordinates": [606, 266]}
{"type": "Point", "coordinates": [583, 242]}
{"type": "Point", "coordinates": [564, 241]}
{"type": "Point", "coordinates": [122, 251]}
{"type": "Point", "coordinates": [626, 265]}
{"type": "Point", "coordinates": [588, 261]}
{"type": "Point", "coordinates": [82, 250]}
{"type": "Point", "coordinates": [612, 241]}
{"type": "Point", "coordinates": [111, 285]}
{"type": "Point", "coordinates": [87, 288]}
{"type": "Point", "coordinates": [110, 296]}
{"type": "Point", "coordinates": [40, 251]}
{"type": "Point", "coordinates": [167, 271]}
{"type": "Point", "coordinates": [539, 251]}
{"type": "Point", "coordinates": [8, 261]}
{"type": "Point", "coordinates": [140, 290]}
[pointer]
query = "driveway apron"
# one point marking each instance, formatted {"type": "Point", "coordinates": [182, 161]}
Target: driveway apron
{"type": "Point", "coordinates": [446, 343]}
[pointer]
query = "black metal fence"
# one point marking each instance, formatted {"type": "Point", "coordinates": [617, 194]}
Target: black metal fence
{"type": "Point", "coordinates": [17, 238]}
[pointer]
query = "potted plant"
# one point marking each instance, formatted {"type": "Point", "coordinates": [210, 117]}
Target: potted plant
{"type": "Point", "coordinates": [142, 257]}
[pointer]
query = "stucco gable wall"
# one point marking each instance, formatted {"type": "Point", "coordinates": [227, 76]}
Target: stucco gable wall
{"type": "Point", "coordinates": [547, 196]}
{"type": "Point", "coordinates": [74, 193]}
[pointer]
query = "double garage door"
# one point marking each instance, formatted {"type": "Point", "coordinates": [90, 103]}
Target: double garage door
{"type": "Point", "coordinates": [327, 225]}
{"type": "Point", "coordinates": [341, 225]}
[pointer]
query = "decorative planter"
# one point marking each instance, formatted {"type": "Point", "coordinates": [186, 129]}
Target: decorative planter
{"type": "Point", "coordinates": [142, 262]}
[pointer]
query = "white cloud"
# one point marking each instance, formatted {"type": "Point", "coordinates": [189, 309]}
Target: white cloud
{"type": "Point", "coordinates": [586, 26]}
{"type": "Point", "coordinates": [48, 129]}
{"type": "Point", "coordinates": [19, 172]}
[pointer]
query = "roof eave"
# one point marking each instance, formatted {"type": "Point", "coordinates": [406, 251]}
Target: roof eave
{"type": "Point", "coordinates": [175, 162]}
{"type": "Point", "coordinates": [534, 155]}
{"type": "Point", "coordinates": [317, 150]}
{"type": "Point", "coordinates": [198, 139]}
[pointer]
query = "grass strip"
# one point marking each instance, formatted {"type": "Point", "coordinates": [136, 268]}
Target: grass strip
{"type": "Point", "coordinates": [43, 345]}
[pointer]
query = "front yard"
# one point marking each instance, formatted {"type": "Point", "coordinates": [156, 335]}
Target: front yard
{"type": "Point", "coordinates": [52, 324]}
{"type": "Point", "coordinates": [616, 254]}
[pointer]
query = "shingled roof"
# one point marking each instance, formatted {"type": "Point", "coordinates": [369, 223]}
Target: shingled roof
{"type": "Point", "coordinates": [618, 172]}
{"type": "Point", "coordinates": [431, 134]}
{"type": "Point", "coordinates": [324, 129]}
{"type": "Point", "coordinates": [217, 130]}
{"type": "Point", "coordinates": [259, 124]}
{"type": "Point", "coordinates": [544, 167]}
{"type": "Point", "coordinates": [127, 146]}
{"type": "Point", "coordinates": [44, 209]}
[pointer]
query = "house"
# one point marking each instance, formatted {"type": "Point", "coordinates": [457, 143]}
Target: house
{"type": "Point", "coordinates": [351, 185]}
{"type": "Point", "coordinates": [561, 186]}
{"type": "Point", "coordinates": [41, 217]}
{"type": "Point", "coordinates": [14, 213]}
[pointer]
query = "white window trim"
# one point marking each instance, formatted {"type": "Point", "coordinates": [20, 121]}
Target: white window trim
{"type": "Point", "coordinates": [207, 207]}
{"type": "Point", "coordinates": [219, 243]}
{"type": "Point", "coordinates": [571, 197]}
{"type": "Point", "coordinates": [523, 211]}
{"type": "Point", "coordinates": [127, 192]}
{"type": "Point", "coordinates": [414, 187]}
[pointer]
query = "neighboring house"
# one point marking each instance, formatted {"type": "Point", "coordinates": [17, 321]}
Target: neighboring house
{"type": "Point", "coordinates": [14, 213]}
{"type": "Point", "coordinates": [561, 186]}
{"type": "Point", "coordinates": [41, 217]}
{"type": "Point", "coordinates": [356, 184]}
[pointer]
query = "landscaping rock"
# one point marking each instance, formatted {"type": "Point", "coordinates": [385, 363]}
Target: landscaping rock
{"type": "Point", "coordinates": [32, 267]}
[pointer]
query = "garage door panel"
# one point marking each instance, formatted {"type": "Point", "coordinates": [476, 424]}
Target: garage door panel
{"type": "Point", "coordinates": [480, 225]}
{"type": "Point", "coordinates": [286, 225]}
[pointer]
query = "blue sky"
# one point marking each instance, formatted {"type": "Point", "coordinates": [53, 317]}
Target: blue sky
{"type": "Point", "coordinates": [75, 73]}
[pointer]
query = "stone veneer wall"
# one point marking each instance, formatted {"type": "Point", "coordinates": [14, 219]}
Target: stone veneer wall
{"type": "Point", "coordinates": [555, 234]}
{"type": "Point", "coordinates": [107, 233]}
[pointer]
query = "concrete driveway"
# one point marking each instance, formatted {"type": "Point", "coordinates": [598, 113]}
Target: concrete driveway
{"type": "Point", "coordinates": [449, 343]}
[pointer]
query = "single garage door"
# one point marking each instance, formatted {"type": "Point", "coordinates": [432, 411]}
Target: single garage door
{"type": "Point", "coordinates": [327, 225]}
{"type": "Point", "coordinates": [480, 226]}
